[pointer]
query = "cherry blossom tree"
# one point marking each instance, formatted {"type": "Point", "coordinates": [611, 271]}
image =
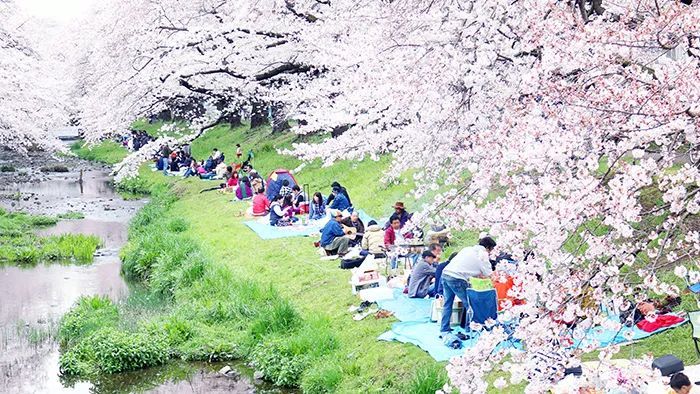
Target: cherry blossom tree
{"type": "Point", "coordinates": [570, 118]}
{"type": "Point", "coordinates": [569, 128]}
{"type": "Point", "coordinates": [28, 104]}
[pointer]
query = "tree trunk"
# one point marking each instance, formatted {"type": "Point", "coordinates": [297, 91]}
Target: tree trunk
{"type": "Point", "coordinates": [233, 118]}
{"type": "Point", "coordinates": [279, 119]}
{"type": "Point", "coordinates": [258, 115]}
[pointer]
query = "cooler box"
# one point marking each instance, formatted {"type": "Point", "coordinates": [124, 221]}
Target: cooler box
{"type": "Point", "coordinates": [437, 308]}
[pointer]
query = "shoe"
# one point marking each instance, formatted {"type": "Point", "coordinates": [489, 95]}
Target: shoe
{"type": "Point", "coordinates": [462, 336]}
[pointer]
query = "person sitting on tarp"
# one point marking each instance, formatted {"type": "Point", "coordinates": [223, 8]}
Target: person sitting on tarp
{"type": "Point", "coordinates": [400, 212]}
{"type": "Point", "coordinates": [661, 310]}
{"type": "Point", "coordinates": [342, 190]}
{"type": "Point", "coordinates": [244, 191]}
{"type": "Point", "coordinates": [470, 262]}
{"type": "Point", "coordinates": [261, 205]}
{"type": "Point", "coordinates": [317, 208]}
{"type": "Point", "coordinates": [355, 222]}
{"type": "Point", "coordinates": [277, 217]}
{"type": "Point", "coordinates": [373, 240]}
{"type": "Point", "coordinates": [338, 202]}
{"type": "Point", "coordinates": [193, 169]}
{"type": "Point", "coordinates": [419, 284]}
{"type": "Point", "coordinates": [285, 190]}
{"type": "Point", "coordinates": [297, 198]}
{"type": "Point", "coordinates": [333, 237]}
{"type": "Point", "coordinates": [256, 180]}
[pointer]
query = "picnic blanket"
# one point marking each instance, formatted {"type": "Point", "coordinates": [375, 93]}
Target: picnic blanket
{"type": "Point", "coordinates": [262, 228]}
{"type": "Point", "coordinates": [416, 328]}
{"type": "Point", "coordinates": [605, 337]}
{"type": "Point", "coordinates": [407, 309]}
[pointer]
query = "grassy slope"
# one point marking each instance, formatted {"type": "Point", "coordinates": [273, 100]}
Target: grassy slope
{"type": "Point", "coordinates": [292, 266]}
{"type": "Point", "coordinates": [108, 152]}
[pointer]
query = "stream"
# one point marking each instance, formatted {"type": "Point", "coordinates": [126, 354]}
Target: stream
{"type": "Point", "coordinates": [33, 299]}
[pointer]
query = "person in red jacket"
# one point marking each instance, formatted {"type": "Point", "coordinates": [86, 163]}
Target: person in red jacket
{"type": "Point", "coordinates": [261, 205]}
{"type": "Point", "coordinates": [393, 233]}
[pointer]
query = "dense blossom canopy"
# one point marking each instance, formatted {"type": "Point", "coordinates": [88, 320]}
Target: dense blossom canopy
{"type": "Point", "coordinates": [570, 128]}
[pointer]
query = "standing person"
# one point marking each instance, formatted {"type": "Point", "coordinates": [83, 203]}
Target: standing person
{"type": "Point", "coordinates": [239, 151]}
{"type": "Point", "coordinates": [419, 284]}
{"type": "Point", "coordinates": [470, 262]}
{"type": "Point", "coordinates": [333, 237]}
{"type": "Point", "coordinates": [317, 208]}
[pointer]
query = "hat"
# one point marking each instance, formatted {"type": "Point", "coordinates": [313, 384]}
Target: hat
{"type": "Point", "coordinates": [428, 253]}
{"type": "Point", "coordinates": [398, 204]}
{"type": "Point", "coordinates": [337, 213]}
{"type": "Point", "coordinates": [335, 184]}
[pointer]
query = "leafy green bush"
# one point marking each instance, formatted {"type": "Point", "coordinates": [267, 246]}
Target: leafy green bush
{"type": "Point", "coordinates": [323, 377]}
{"type": "Point", "coordinates": [88, 314]}
{"type": "Point", "coordinates": [279, 317]}
{"type": "Point", "coordinates": [278, 364]}
{"type": "Point", "coordinates": [135, 185]}
{"type": "Point", "coordinates": [109, 350]}
{"type": "Point", "coordinates": [283, 358]}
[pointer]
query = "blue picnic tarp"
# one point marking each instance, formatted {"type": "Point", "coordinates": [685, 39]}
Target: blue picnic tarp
{"type": "Point", "coordinates": [416, 328]}
{"type": "Point", "coordinates": [263, 229]}
{"type": "Point", "coordinates": [606, 337]}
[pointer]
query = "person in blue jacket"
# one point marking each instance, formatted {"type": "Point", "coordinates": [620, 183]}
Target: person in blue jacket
{"type": "Point", "coordinates": [339, 202]}
{"type": "Point", "coordinates": [333, 238]}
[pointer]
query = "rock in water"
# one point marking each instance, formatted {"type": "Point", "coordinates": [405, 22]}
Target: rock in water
{"type": "Point", "coordinates": [225, 370]}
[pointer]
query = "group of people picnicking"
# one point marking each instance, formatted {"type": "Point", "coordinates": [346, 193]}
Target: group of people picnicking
{"type": "Point", "coordinates": [135, 140]}
{"type": "Point", "coordinates": [239, 178]}
{"type": "Point", "coordinates": [430, 276]}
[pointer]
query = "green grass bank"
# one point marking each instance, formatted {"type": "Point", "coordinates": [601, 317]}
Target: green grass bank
{"type": "Point", "coordinates": [273, 303]}
{"type": "Point", "coordinates": [19, 245]}
{"type": "Point", "coordinates": [235, 296]}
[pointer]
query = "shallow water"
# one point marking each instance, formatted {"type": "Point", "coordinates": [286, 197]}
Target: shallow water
{"type": "Point", "coordinates": [32, 300]}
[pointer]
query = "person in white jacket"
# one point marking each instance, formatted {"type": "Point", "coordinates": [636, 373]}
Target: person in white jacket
{"type": "Point", "coordinates": [373, 240]}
